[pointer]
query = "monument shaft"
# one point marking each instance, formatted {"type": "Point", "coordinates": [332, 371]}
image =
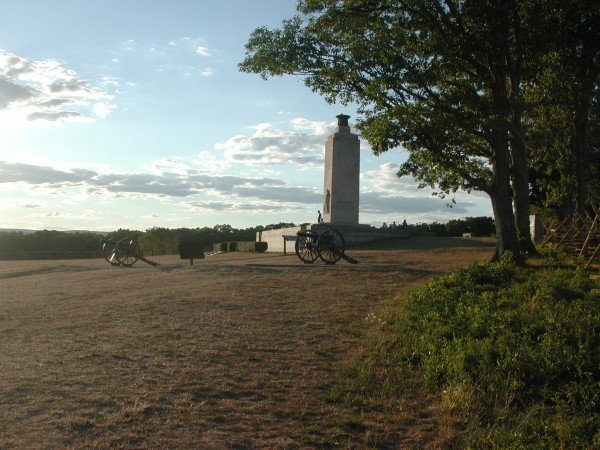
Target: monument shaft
{"type": "Point", "coordinates": [342, 176]}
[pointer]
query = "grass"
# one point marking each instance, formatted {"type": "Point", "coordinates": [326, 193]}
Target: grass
{"type": "Point", "coordinates": [237, 351]}
{"type": "Point", "coordinates": [510, 355]}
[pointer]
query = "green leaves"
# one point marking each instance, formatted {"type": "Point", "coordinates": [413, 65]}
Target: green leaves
{"type": "Point", "coordinates": [445, 81]}
{"type": "Point", "coordinates": [512, 349]}
{"type": "Point", "coordinates": [416, 69]}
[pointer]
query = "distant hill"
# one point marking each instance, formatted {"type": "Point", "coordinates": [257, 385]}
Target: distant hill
{"type": "Point", "coordinates": [26, 231]}
{"type": "Point", "coordinates": [16, 230]}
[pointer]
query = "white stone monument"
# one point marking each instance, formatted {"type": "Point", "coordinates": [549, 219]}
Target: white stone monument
{"type": "Point", "coordinates": [342, 176]}
{"type": "Point", "coordinates": [340, 197]}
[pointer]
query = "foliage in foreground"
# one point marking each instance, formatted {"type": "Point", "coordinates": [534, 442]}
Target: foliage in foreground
{"type": "Point", "coordinates": [515, 353]}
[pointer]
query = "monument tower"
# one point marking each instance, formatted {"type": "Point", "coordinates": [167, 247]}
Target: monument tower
{"type": "Point", "coordinates": [342, 175]}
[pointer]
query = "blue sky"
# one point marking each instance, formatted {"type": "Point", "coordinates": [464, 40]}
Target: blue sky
{"type": "Point", "coordinates": [133, 114]}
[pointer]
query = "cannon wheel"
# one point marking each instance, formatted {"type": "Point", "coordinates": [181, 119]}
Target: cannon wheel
{"type": "Point", "coordinates": [331, 246]}
{"type": "Point", "coordinates": [108, 252]}
{"type": "Point", "coordinates": [306, 248]}
{"type": "Point", "coordinates": [126, 252]}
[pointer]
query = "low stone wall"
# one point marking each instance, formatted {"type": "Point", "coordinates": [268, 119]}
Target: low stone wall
{"type": "Point", "coordinates": [275, 241]}
{"type": "Point", "coordinates": [353, 234]}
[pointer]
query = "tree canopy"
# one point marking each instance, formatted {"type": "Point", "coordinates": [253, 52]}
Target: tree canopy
{"type": "Point", "coordinates": [442, 78]}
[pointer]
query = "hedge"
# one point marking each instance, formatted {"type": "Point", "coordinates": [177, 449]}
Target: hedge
{"type": "Point", "coordinates": [252, 246]}
{"type": "Point", "coordinates": [220, 247]}
{"type": "Point", "coordinates": [233, 246]}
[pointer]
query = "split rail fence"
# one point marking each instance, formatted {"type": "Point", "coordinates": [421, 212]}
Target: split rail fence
{"type": "Point", "coordinates": [579, 235]}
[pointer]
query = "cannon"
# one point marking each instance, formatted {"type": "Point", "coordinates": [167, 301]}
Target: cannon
{"type": "Point", "coordinates": [329, 246]}
{"type": "Point", "coordinates": [123, 252]}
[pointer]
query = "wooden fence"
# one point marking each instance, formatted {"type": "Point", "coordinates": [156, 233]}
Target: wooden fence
{"type": "Point", "coordinates": [579, 234]}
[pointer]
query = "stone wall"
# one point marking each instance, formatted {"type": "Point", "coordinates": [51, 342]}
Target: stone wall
{"type": "Point", "coordinates": [352, 235]}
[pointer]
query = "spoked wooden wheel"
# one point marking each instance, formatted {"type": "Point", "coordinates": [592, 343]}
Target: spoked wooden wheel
{"type": "Point", "coordinates": [306, 248]}
{"type": "Point", "coordinates": [108, 252]}
{"type": "Point", "coordinates": [126, 252]}
{"type": "Point", "coordinates": [331, 246]}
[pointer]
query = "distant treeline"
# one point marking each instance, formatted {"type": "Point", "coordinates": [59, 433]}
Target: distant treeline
{"type": "Point", "coordinates": [48, 244]}
{"type": "Point", "coordinates": [477, 226]}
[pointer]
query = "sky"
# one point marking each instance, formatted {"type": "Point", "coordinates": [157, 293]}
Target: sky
{"type": "Point", "coordinates": [133, 114]}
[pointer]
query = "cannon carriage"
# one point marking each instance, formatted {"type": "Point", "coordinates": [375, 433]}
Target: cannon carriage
{"type": "Point", "coordinates": [329, 246]}
{"type": "Point", "coordinates": [123, 252]}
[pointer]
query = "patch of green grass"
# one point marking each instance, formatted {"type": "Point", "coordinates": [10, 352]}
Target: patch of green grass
{"type": "Point", "coordinates": [514, 352]}
{"type": "Point", "coordinates": [350, 331]}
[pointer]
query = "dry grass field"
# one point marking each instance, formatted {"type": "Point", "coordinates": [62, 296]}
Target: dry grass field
{"type": "Point", "coordinates": [236, 351]}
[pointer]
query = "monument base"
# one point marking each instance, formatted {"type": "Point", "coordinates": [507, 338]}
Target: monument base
{"type": "Point", "coordinates": [360, 233]}
{"type": "Point", "coordinates": [282, 240]}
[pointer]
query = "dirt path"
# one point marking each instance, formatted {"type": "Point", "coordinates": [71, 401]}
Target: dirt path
{"type": "Point", "coordinates": [236, 351]}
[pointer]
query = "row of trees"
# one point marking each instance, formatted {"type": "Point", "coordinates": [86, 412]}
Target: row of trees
{"type": "Point", "coordinates": [477, 226]}
{"type": "Point", "coordinates": [154, 241]}
{"type": "Point", "coordinates": [499, 96]}
{"type": "Point", "coordinates": [48, 244]}
{"type": "Point", "coordinates": [165, 241]}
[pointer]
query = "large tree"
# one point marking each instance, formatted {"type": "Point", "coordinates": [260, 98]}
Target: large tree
{"type": "Point", "coordinates": [437, 77]}
{"type": "Point", "coordinates": [563, 119]}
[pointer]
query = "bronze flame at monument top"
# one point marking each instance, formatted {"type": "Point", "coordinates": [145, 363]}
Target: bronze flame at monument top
{"type": "Point", "coordinates": [342, 120]}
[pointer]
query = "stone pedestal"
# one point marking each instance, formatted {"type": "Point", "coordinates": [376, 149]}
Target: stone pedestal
{"type": "Point", "coordinates": [342, 176]}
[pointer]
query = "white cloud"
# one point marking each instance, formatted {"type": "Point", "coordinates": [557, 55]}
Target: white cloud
{"type": "Point", "coordinates": [384, 179]}
{"type": "Point", "coordinates": [262, 184]}
{"type": "Point", "coordinates": [177, 56]}
{"type": "Point", "coordinates": [57, 116]}
{"type": "Point", "coordinates": [203, 51]}
{"type": "Point", "coordinates": [44, 90]}
{"type": "Point", "coordinates": [102, 109]}
{"type": "Point", "coordinates": [192, 44]}
{"type": "Point", "coordinates": [174, 165]}
{"type": "Point", "coordinates": [270, 145]}
{"type": "Point", "coordinates": [128, 45]}
{"type": "Point", "coordinates": [169, 178]}
{"type": "Point", "coordinates": [12, 93]}
{"type": "Point", "coordinates": [313, 127]}
{"type": "Point", "coordinates": [110, 81]}
{"type": "Point", "coordinates": [175, 42]}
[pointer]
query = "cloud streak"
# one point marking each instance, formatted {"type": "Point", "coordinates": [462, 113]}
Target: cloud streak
{"type": "Point", "coordinates": [45, 90]}
{"type": "Point", "coordinates": [269, 145]}
{"type": "Point", "coordinates": [206, 185]}
{"type": "Point", "coordinates": [163, 185]}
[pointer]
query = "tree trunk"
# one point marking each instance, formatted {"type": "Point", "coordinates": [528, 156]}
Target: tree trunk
{"type": "Point", "coordinates": [581, 156]}
{"type": "Point", "coordinates": [515, 54]}
{"type": "Point", "coordinates": [520, 186]}
{"type": "Point", "coordinates": [505, 72]}
{"type": "Point", "coordinates": [501, 197]}
{"type": "Point", "coordinates": [505, 227]}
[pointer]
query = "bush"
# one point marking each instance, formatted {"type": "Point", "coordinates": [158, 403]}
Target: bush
{"type": "Point", "coordinates": [513, 352]}
{"type": "Point", "coordinates": [251, 246]}
{"type": "Point", "coordinates": [245, 246]}
{"type": "Point", "coordinates": [519, 350]}
{"type": "Point", "coordinates": [220, 247]}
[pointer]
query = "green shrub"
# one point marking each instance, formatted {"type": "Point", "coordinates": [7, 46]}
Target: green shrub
{"type": "Point", "coordinates": [515, 351]}
{"type": "Point", "coordinates": [251, 246]}
{"type": "Point", "coordinates": [245, 246]}
{"type": "Point", "coordinates": [220, 247]}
